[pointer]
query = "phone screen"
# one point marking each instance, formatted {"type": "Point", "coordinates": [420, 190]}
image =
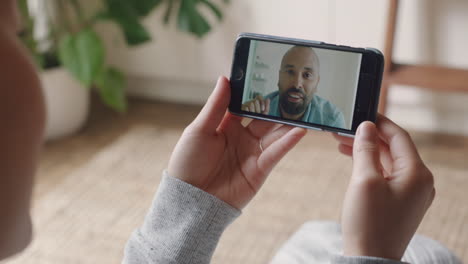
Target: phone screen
{"type": "Point", "coordinates": [305, 84]}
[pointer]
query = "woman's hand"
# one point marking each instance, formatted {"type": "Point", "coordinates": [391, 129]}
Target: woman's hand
{"type": "Point", "coordinates": [220, 156]}
{"type": "Point", "coordinates": [388, 194]}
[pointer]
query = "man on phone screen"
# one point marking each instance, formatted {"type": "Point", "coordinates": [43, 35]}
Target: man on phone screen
{"type": "Point", "coordinates": [296, 97]}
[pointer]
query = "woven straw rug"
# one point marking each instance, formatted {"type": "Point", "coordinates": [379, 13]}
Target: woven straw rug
{"type": "Point", "coordinates": [88, 216]}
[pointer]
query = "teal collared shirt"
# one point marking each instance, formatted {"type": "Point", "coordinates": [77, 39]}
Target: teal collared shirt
{"type": "Point", "coordinates": [319, 111]}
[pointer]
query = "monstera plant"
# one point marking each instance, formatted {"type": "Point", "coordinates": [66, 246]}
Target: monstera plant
{"type": "Point", "coordinates": [68, 37]}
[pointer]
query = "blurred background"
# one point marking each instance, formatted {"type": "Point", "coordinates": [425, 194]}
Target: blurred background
{"type": "Point", "coordinates": [123, 78]}
{"type": "Point", "coordinates": [428, 31]}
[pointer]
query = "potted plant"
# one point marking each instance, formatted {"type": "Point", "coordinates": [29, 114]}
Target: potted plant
{"type": "Point", "coordinates": [61, 37]}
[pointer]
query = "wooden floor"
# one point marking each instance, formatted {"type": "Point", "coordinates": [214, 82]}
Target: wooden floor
{"type": "Point", "coordinates": [94, 188]}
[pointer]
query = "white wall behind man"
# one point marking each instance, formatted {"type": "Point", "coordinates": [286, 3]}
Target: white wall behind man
{"type": "Point", "coordinates": [182, 68]}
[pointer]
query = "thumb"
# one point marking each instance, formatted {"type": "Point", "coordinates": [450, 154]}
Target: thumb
{"type": "Point", "coordinates": [366, 158]}
{"type": "Point", "coordinates": [214, 110]}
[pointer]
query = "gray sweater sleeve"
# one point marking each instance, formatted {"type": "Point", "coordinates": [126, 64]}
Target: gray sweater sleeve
{"type": "Point", "coordinates": [183, 225]}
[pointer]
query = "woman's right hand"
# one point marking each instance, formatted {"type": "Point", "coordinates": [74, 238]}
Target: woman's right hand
{"type": "Point", "coordinates": [389, 192]}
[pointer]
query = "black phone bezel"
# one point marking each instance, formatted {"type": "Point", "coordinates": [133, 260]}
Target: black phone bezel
{"type": "Point", "coordinates": [368, 91]}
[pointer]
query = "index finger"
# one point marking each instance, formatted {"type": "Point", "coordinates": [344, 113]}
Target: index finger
{"type": "Point", "coordinates": [401, 146]}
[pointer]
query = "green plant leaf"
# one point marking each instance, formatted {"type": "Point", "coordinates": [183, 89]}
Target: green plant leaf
{"type": "Point", "coordinates": [100, 16]}
{"type": "Point", "coordinates": [213, 8]}
{"type": "Point", "coordinates": [83, 55]}
{"type": "Point", "coordinates": [135, 33]}
{"type": "Point", "coordinates": [23, 9]}
{"type": "Point", "coordinates": [126, 16]}
{"type": "Point", "coordinates": [144, 7]}
{"type": "Point", "coordinates": [190, 20]}
{"type": "Point", "coordinates": [111, 87]}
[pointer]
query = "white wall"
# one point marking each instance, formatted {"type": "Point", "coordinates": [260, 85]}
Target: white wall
{"type": "Point", "coordinates": [180, 59]}
{"type": "Point", "coordinates": [182, 68]}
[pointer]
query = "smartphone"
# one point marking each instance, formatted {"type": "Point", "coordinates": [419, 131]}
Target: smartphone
{"type": "Point", "coordinates": [305, 83]}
